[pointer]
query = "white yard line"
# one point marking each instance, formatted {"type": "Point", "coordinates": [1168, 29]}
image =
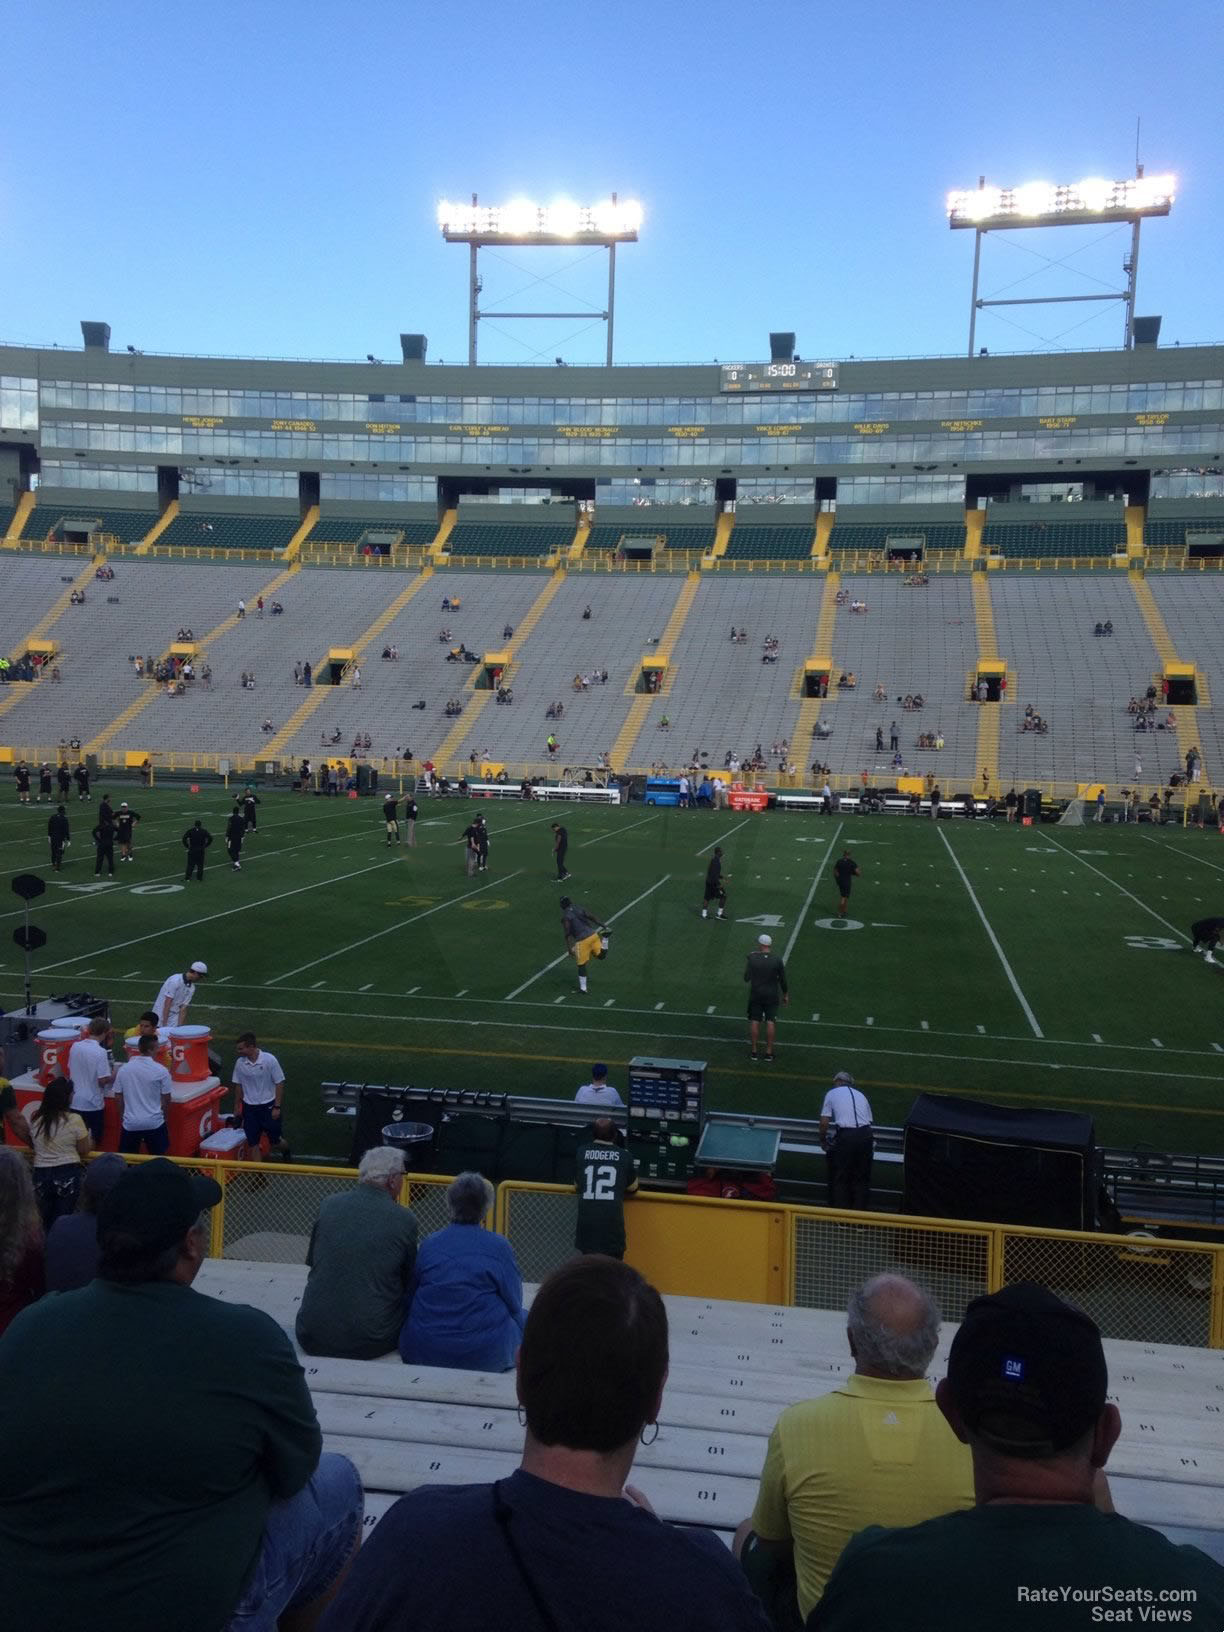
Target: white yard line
{"type": "Point", "coordinates": [540, 973]}
{"type": "Point", "coordinates": [803, 911]}
{"type": "Point", "coordinates": [1151, 911]}
{"type": "Point", "coordinates": [869, 1049]}
{"type": "Point", "coordinates": [994, 939]}
{"type": "Point", "coordinates": [725, 835]}
{"type": "Point", "coordinates": [401, 923]}
{"type": "Point", "coordinates": [1188, 855]}
{"type": "Point", "coordinates": [615, 832]}
{"type": "Point", "coordinates": [212, 917]}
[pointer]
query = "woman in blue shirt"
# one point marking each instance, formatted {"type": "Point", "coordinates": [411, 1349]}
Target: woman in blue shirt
{"type": "Point", "coordinates": [464, 1305]}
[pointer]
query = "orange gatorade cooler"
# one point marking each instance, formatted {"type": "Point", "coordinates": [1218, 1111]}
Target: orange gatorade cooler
{"type": "Point", "coordinates": [189, 1054]}
{"type": "Point", "coordinates": [53, 1046]}
{"type": "Point", "coordinates": [191, 1115]}
{"type": "Point", "coordinates": [161, 1053]}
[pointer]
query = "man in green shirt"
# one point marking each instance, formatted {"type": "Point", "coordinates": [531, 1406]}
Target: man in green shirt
{"type": "Point", "coordinates": [161, 1461]}
{"type": "Point", "coordinates": [765, 975]}
{"type": "Point", "coordinates": [605, 1175]}
{"type": "Point", "coordinates": [361, 1253]}
{"type": "Point", "coordinates": [1027, 1391]}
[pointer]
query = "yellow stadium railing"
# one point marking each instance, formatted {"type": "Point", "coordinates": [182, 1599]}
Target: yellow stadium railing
{"type": "Point", "coordinates": [1136, 1288]}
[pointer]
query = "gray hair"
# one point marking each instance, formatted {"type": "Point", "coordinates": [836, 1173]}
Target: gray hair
{"type": "Point", "coordinates": [380, 1164]}
{"type": "Point", "coordinates": [468, 1198]}
{"type": "Point", "coordinates": [893, 1327]}
{"type": "Point", "coordinates": [843, 1077]}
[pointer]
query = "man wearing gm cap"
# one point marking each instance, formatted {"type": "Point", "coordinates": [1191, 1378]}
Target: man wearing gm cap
{"type": "Point", "coordinates": [1026, 1391]}
{"type": "Point", "coordinates": [161, 1463]}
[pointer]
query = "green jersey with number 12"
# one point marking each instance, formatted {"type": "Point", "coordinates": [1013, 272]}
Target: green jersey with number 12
{"type": "Point", "coordinates": [604, 1175]}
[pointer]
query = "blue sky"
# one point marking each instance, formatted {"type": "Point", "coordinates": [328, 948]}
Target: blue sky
{"type": "Point", "coordinates": [260, 178]}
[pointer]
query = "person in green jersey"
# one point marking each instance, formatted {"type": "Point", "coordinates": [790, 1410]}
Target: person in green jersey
{"type": "Point", "coordinates": [605, 1173]}
{"type": "Point", "coordinates": [765, 976]}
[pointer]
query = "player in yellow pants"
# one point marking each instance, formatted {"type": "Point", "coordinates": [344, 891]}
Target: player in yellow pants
{"type": "Point", "coordinates": [583, 936]}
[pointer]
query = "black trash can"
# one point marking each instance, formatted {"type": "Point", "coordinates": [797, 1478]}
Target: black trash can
{"type": "Point", "coordinates": [414, 1139]}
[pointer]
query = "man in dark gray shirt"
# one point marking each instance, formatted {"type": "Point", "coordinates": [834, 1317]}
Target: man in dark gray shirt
{"type": "Point", "coordinates": [765, 974]}
{"type": "Point", "coordinates": [361, 1254]}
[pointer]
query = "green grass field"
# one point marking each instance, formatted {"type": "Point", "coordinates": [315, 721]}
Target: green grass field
{"type": "Point", "coordinates": [1020, 965]}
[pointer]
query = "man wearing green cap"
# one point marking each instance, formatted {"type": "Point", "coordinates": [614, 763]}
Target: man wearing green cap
{"type": "Point", "coordinates": [185, 1445]}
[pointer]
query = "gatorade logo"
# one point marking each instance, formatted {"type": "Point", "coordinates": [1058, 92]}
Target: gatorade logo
{"type": "Point", "coordinates": [50, 1058]}
{"type": "Point", "coordinates": [206, 1124]}
{"type": "Point", "coordinates": [179, 1055]}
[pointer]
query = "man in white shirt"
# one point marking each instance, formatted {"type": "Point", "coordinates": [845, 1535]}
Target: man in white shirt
{"type": "Point", "coordinates": [170, 1004]}
{"type": "Point", "coordinates": [599, 1091]}
{"type": "Point", "coordinates": [91, 1070]}
{"type": "Point", "coordinates": [144, 1087]}
{"type": "Point", "coordinates": [259, 1090]}
{"type": "Point", "coordinates": [848, 1155]}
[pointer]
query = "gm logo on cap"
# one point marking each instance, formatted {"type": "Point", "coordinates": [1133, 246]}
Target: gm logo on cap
{"type": "Point", "coordinates": [1013, 1369]}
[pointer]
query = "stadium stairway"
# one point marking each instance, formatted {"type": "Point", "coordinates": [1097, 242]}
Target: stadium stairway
{"type": "Point", "coordinates": [167, 518]}
{"type": "Point", "coordinates": [986, 755]}
{"type": "Point", "coordinates": [149, 691]}
{"type": "Point", "coordinates": [1078, 681]}
{"type": "Point", "coordinates": [626, 608]}
{"type": "Point", "coordinates": [317, 695]}
{"type": "Point", "coordinates": [635, 719]}
{"type": "Point", "coordinates": [1191, 608]}
{"type": "Point", "coordinates": [475, 702]}
{"type": "Point", "coordinates": [734, 1367]}
{"type": "Point", "coordinates": [383, 707]}
{"type": "Point", "coordinates": [724, 698]}
{"type": "Point", "coordinates": [822, 645]}
{"type": "Point", "coordinates": [17, 520]}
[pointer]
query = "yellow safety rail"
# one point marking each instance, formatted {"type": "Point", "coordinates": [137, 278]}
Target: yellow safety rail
{"type": "Point", "coordinates": [169, 514]}
{"type": "Point", "coordinates": [722, 534]}
{"type": "Point", "coordinates": [809, 708]}
{"type": "Point", "coordinates": [294, 547]}
{"type": "Point", "coordinates": [20, 515]}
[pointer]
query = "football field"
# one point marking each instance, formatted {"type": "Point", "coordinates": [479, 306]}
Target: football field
{"type": "Point", "coordinates": [1020, 965]}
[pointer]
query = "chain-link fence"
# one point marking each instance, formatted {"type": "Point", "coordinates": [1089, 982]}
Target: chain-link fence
{"type": "Point", "coordinates": [831, 1255]}
{"type": "Point", "coordinates": [539, 1224]}
{"type": "Point", "coordinates": [1132, 1286]}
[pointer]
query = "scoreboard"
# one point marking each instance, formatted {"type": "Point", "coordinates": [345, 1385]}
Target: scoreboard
{"type": "Point", "coordinates": [779, 377]}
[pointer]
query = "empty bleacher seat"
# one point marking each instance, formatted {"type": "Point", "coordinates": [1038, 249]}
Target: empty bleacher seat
{"type": "Point", "coordinates": [509, 538]}
{"type": "Point", "coordinates": [352, 529]}
{"type": "Point", "coordinates": [1055, 538]}
{"type": "Point", "coordinates": [6, 518]}
{"type": "Point", "coordinates": [228, 531]}
{"type": "Point", "coordinates": [606, 536]}
{"type": "Point", "coordinates": [1169, 532]}
{"type": "Point", "coordinates": [60, 521]}
{"type": "Point", "coordinates": [861, 538]}
{"type": "Point", "coordinates": [771, 543]}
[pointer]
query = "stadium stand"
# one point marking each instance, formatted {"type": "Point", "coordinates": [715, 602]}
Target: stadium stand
{"type": "Point", "coordinates": [1076, 680]}
{"type": "Point", "coordinates": [771, 543]}
{"type": "Point", "coordinates": [1054, 538]}
{"type": "Point", "coordinates": [859, 538]}
{"type": "Point", "coordinates": [1191, 611]}
{"type": "Point", "coordinates": [7, 512]}
{"type": "Point", "coordinates": [406, 1426]}
{"type": "Point", "coordinates": [626, 613]}
{"type": "Point", "coordinates": [384, 705]}
{"type": "Point", "coordinates": [909, 641]}
{"type": "Point", "coordinates": [95, 643]}
{"type": "Point", "coordinates": [1170, 532]}
{"type": "Point", "coordinates": [721, 697]}
{"type": "Point", "coordinates": [509, 538]}
{"type": "Point", "coordinates": [225, 530]}
{"type": "Point", "coordinates": [50, 519]}
{"type": "Point", "coordinates": [352, 529]}
{"type": "Point", "coordinates": [31, 585]}
{"type": "Point", "coordinates": [692, 539]}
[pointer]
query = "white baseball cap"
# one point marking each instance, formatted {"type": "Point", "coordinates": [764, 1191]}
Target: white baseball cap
{"type": "Point", "coordinates": [764, 940]}
{"type": "Point", "coordinates": [199, 969]}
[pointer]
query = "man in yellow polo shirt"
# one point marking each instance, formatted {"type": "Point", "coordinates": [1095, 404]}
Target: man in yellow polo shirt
{"type": "Point", "coordinates": [876, 1450]}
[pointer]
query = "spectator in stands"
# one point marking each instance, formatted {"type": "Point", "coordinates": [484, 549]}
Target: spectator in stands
{"type": "Point", "coordinates": [21, 1264]}
{"type": "Point", "coordinates": [207, 1483]}
{"type": "Point", "coordinates": [464, 1305]}
{"type": "Point", "coordinates": [72, 1241]}
{"type": "Point", "coordinates": [361, 1253]}
{"type": "Point", "coordinates": [1026, 1390]}
{"type": "Point", "coordinates": [876, 1450]}
{"type": "Point", "coordinates": [564, 1541]}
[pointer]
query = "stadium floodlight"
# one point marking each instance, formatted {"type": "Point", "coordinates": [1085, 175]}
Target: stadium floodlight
{"type": "Point", "coordinates": [1056, 204]}
{"type": "Point", "coordinates": [605, 224]}
{"type": "Point", "coordinates": [1093, 200]}
{"type": "Point", "coordinates": [525, 222]}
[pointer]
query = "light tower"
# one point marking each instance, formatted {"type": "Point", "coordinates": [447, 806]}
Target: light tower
{"type": "Point", "coordinates": [521, 222]}
{"type": "Point", "coordinates": [1067, 204]}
